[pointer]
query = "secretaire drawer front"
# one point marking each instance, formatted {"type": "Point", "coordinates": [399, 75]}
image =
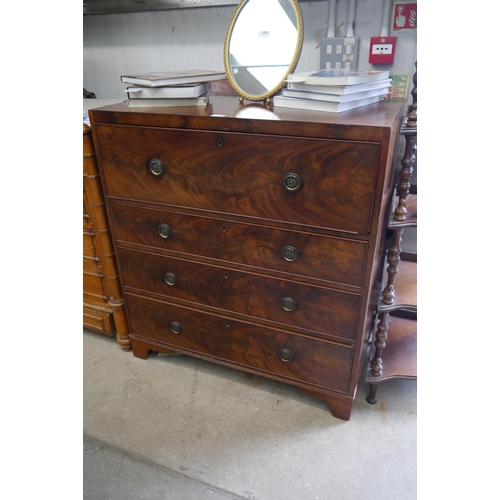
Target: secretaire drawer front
{"type": "Point", "coordinates": [317, 362]}
{"type": "Point", "coordinates": [326, 258]}
{"type": "Point", "coordinates": [310, 308]}
{"type": "Point", "coordinates": [317, 182]}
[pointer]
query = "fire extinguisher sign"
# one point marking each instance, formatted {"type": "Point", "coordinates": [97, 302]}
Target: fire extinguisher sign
{"type": "Point", "coordinates": [404, 16]}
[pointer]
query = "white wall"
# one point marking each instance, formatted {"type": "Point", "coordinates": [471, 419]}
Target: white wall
{"type": "Point", "coordinates": [114, 44]}
{"type": "Point", "coordinates": [193, 38]}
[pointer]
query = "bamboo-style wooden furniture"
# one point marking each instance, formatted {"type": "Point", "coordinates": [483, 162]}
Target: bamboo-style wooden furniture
{"type": "Point", "coordinates": [252, 237]}
{"type": "Point", "coordinates": [394, 350]}
{"type": "Point", "coordinates": [103, 309]}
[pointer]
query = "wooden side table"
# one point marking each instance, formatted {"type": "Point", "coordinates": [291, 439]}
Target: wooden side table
{"type": "Point", "coordinates": [103, 309]}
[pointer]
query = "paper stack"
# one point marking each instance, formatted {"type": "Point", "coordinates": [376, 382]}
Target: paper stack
{"type": "Point", "coordinates": [334, 91]}
{"type": "Point", "coordinates": [172, 88]}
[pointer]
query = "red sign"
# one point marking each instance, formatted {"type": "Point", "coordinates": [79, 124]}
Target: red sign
{"type": "Point", "coordinates": [404, 16]}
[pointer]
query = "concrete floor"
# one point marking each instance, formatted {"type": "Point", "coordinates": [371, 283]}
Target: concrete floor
{"type": "Point", "coordinates": [180, 428]}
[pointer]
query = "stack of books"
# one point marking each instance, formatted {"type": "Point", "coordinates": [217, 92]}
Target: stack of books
{"type": "Point", "coordinates": [334, 90]}
{"type": "Point", "coordinates": [171, 88]}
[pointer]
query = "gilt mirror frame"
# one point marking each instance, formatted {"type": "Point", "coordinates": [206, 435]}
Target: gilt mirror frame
{"type": "Point", "coordinates": [279, 82]}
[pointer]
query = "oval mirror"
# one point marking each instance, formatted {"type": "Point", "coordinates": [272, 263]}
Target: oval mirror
{"type": "Point", "coordinates": [262, 47]}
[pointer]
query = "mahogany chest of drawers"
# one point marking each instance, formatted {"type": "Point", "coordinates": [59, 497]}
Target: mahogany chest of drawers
{"type": "Point", "coordinates": [251, 237]}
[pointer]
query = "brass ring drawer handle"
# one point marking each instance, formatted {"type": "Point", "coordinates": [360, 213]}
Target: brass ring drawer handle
{"type": "Point", "coordinates": [290, 253]}
{"type": "Point", "coordinates": [285, 355]}
{"type": "Point", "coordinates": [176, 327]}
{"type": "Point", "coordinates": [164, 231]}
{"type": "Point", "coordinates": [170, 279]}
{"type": "Point", "coordinates": [291, 182]}
{"type": "Point", "coordinates": [156, 167]}
{"type": "Point", "coordinates": [288, 304]}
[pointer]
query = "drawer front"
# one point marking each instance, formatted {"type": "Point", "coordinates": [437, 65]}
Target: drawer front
{"type": "Point", "coordinates": [244, 174]}
{"type": "Point", "coordinates": [87, 220]}
{"type": "Point", "coordinates": [87, 223]}
{"type": "Point", "coordinates": [310, 308]}
{"type": "Point", "coordinates": [326, 258]}
{"type": "Point", "coordinates": [93, 282]}
{"type": "Point", "coordinates": [317, 362]}
{"type": "Point", "coordinates": [98, 321]}
{"type": "Point", "coordinates": [91, 265]}
{"type": "Point", "coordinates": [89, 249]}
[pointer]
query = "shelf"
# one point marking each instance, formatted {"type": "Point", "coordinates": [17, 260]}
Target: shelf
{"type": "Point", "coordinates": [405, 285]}
{"type": "Point", "coordinates": [411, 214]}
{"type": "Point", "coordinates": [399, 357]}
{"type": "Point", "coordinates": [411, 207]}
{"type": "Point", "coordinates": [394, 346]}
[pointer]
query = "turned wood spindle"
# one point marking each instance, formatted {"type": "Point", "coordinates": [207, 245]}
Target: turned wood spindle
{"type": "Point", "coordinates": [410, 133]}
{"type": "Point", "coordinates": [393, 258]}
{"type": "Point", "coordinates": [412, 110]}
{"type": "Point", "coordinates": [405, 175]}
{"type": "Point", "coordinates": [380, 343]}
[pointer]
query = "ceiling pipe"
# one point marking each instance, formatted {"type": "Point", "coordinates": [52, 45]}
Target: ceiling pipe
{"type": "Point", "coordinates": [350, 19]}
{"type": "Point", "coordinates": [331, 19]}
{"type": "Point", "coordinates": [384, 30]}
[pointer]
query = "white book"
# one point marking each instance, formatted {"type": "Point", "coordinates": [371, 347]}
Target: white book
{"type": "Point", "coordinates": [329, 107]}
{"type": "Point", "coordinates": [173, 77]}
{"type": "Point", "coordinates": [167, 102]}
{"type": "Point", "coordinates": [170, 91]}
{"type": "Point", "coordinates": [338, 77]}
{"type": "Point", "coordinates": [340, 89]}
{"type": "Point", "coordinates": [319, 96]}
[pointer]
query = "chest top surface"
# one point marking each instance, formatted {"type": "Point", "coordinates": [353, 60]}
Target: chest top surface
{"type": "Point", "coordinates": [224, 113]}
